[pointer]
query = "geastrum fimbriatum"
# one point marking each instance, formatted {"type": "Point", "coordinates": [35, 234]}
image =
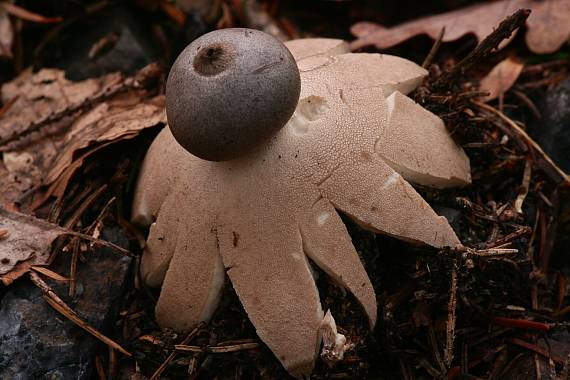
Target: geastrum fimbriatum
{"type": "Point", "coordinates": [275, 168]}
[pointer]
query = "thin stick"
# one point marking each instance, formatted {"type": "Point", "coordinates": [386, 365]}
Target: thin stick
{"type": "Point", "coordinates": [451, 309]}
{"type": "Point", "coordinates": [189, 337]}
{"type": "Point", "coordinates": [217, 349]}
{"type": "Point", "coordinates": [522, 133]}
{"type": "Point", "coordinates": [503, 31]}
{"type": "Point", "coordinates": [434, 49]}
{"type": "Point", "coordinates": [57, 303]}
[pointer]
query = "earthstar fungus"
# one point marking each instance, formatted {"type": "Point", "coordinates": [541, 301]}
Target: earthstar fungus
{"type": "Point", "coordinates": [352, 144]}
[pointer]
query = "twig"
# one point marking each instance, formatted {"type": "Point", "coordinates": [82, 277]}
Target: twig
{"type": "Point", "coordinates": [451, 309]}
{"type": "Point", "coordinates": [503, 31]}
{"type": "Point", "coordinates": [57, 303]}
{"type": "Point", "coordinates": [434, 49]}
{"type": "Point", "coordinates": [521, 324]}
{"type": "Point", "coordinates": [49, 273]}
{"type": "Point", "coordinates": [539, 350]}
{"type": "Point", "coordinates": [140, 80]}
{"type": "Point", "coordinates": [219, 349]}
{"type": "Point", "coordinates": [527, 139]}
{"type": "Point", "coordinates": [96, 241]}
{"type": "Point", "coordinates": [500, 243]}
{"type": "Point", "coordinates": [73, 267]}
{"type": "Point", "coordinates": [523, 192]}
{"type": "Point", "coordinates": [493, 252]}
{"type": "Point", "coordinates": [189, 337]}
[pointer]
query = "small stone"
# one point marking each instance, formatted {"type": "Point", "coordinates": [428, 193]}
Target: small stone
{"type": "Point", "coordinates": [36, 342]}
{"type": "Point", "coordinates": [553, 131]}
{"type": "Point", "coordinates": [123, 45]}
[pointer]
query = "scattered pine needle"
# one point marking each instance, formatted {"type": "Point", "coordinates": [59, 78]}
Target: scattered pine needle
{"type": "Point", "coordinates": [521, 324]}
{"type": "Point", "coordinates": [539, 350]}
{"type": "Point", "coordinates": [434, 49]}
{"type": "Point", "coordinates": [50, 274]}
{"type": "Point", "coordinates": [220, 349]}
{"type": "Point", "coordinates": [189, 337]}
{"type": "Point", "coordinates": [451, 317]}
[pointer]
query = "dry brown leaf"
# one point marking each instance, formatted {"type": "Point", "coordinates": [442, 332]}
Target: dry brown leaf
{"type": "Point", "coordinates": [6, 34]}
{"type": "Point", "coordinates": [43, 94]}
{"type": "Point", "coordinates": [501, 78]}
{"type": "Point", "coordinates": [27, 243]}
{"type": "Point", "coordinates": [54, 124]}
{"type": "Point", "coordinates": [106, 124]}
{"type": "Point", "coordinates": [548, 25]}
{"type": "Point", "coordinates": [29, 240]}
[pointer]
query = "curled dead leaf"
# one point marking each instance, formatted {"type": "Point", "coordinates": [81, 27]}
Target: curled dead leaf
{"type": "Point", "coordinates": [26, 242]}
{"type": "Point", "coordinates": [6, 34]}
{"type": "Point", "coordinates": [548, 26]}
{"type": "Point", "coordinates": [501, 78]}
{"type": "Point", "coordinates": [28, 239]}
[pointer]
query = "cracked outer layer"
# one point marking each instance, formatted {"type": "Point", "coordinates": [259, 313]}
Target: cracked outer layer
{"type": "Point", "coordinates": [351, 145]}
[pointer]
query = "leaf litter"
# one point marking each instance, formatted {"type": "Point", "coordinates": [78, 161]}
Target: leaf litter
{"type": "Point", "coordinates": [104, 112]}
{"type": "Point", "coordinates": [481, 335]}
{"type": "Point", "coordinates": [501, 78]}
{"type": "Point", "coordinates": [48, 128]}
{"type": "Point", "coordinates": [548, 27]}
{"type": "Point", "coordinates": [54, 124]}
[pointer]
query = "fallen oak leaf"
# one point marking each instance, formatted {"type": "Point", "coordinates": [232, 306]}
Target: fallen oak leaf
{"type": "Point", "coordinates": [6, 34]}
{"type": "Point", "coordinates": [28, 243]}
{"type": "Point", "coordinates": [548, 25]}
{"type": "Point", "coordinates": [501, 78]}
{"type": "Point", "coordinates": [28, 239]}
{"type": "Point", "coordinates": [18, 271]}
{"type": "Point", "coordinates": [28, 100]}
{"type": "Point", "coordinates": [479, 19]}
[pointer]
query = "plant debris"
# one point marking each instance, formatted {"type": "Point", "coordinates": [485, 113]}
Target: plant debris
{"type": "Point", "coordinates": [499, 308]}
{"type": "Point", "coordinates": [52, 125]}
{"type": "Point", "coordinates": [26, 241]}
{"type": "Point", "coordinates": [501, 78]}
{"type": "Point", "coordinates": [548, 27]}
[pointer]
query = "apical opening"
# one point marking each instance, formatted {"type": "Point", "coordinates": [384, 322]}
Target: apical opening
{"type": "Point", "coordinates": [213, 59]}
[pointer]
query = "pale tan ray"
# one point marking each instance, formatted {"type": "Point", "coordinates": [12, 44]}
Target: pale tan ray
{"type": "Point", "coordinates": [265, 262]}
{"type": "Point", "coordinates": [327, 243]}
{"type": "Point", "coordinates": [416, 144]}
{"type": "Point", "coordinates": [195, 276]}
{"type": "Point", "coordinates": [157, 176]}
{"type": "Point", "coordinates": [378, 198]}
